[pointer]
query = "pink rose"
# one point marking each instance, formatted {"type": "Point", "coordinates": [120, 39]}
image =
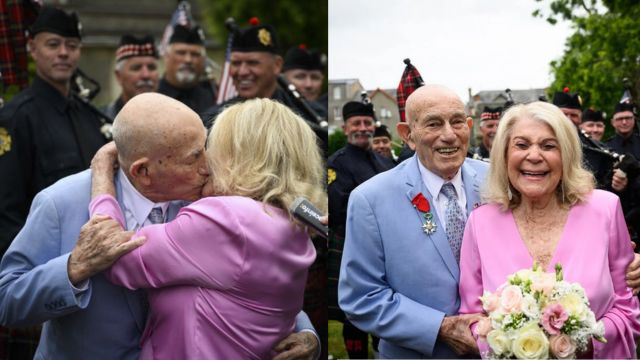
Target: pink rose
{"type": "Point", "coordinates": [511, 299]}
{"type": "Point", "coordinates": [491, 302]}
{"type": "Point", "coordinates": [553, 318]}
{"type": "Point", "coordinates": [544, 282]}
{"type": "Point", "coordinates": [562, 347]}
{"type": "Point", "coordinates": [483, 327]}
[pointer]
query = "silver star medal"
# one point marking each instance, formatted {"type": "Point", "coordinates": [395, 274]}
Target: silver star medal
{"type": "Point", "coordinates": [429, 226]}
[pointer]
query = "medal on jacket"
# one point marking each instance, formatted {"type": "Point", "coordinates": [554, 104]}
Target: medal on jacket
{"type": "Point", "coordinates": [429, 226]}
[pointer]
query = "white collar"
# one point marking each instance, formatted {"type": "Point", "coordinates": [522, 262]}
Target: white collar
{"type": "Point", "coordinates": [138, 205]}
{"type": "Point", "coordinates": [434, 183]}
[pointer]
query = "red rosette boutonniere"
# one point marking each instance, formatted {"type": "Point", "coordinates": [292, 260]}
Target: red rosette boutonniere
{"type": "Point", "coordinates": [422, 204]}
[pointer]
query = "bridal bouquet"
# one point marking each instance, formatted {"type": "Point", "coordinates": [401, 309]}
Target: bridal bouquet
{"type": "Point", "coordinates": [538, 315]}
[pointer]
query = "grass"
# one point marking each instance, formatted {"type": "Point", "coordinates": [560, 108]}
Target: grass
{"type": "Point", "coordinates": [336, 344]}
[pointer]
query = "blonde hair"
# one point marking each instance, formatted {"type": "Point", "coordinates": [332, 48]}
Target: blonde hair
{"type": "Point", "coordinates": [576, 182]}
{"type": "Point", "coordinates": [262, 150]}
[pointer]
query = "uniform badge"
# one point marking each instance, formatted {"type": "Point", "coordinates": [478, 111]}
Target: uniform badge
{"type": "Point", "coordinates": [5, 141]}
{"type": "Point", "coordinates": [264, 36]}
{"type": "Point", "coordinates": [331, 176]}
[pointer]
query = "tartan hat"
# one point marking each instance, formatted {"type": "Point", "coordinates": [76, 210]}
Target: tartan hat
{"type": "Point", "coordinates": [624, 106]}
{"type": "Point", "coordinates": [567, 100]}
{"type": "Point", "coordinates": [54, 20]}
{"type": "Point", "coordinates": [301, 58]}
{"type": "Point", "coordinates": [131, 46]}
{"type": "Point", "coordinates": [187, 35]}
{"type": "Point", "coordinates": [382, 131]}
{"type": "Point", "coordinates": [409, 82]}
{"type": "Point", "coordinates": [491, 113]}
{"type": "Point", "coordinates": [592, 115]}
{"type": "Point", "coordinates": [355, 108]}
{"type": "Point", "coordinates": [255, 38]}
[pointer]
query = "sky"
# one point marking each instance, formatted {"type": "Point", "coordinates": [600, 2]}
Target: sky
{"type": "Point", "coordinates": [477, 44]}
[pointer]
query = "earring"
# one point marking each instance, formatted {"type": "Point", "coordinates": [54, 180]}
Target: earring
{"type": "Point", "coordinates": [509, 194]}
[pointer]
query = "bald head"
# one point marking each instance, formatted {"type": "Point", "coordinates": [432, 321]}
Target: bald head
{"type": "Point", "coordinates": [150, 124]}
{"type": "Point", "coordinates": [437, 128]}
{"type": "Point", "coordinates": [427, 96]}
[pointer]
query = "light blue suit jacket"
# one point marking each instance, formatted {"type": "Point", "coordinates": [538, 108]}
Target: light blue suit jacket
{"type": "Point", "coordinates": [397, 282]}
{"type": "Point", "coordinates": [102, 322]}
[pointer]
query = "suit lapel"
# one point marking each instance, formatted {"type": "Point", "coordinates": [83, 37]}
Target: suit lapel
{"type": "Point", "coordinates": [471, 187]}
{"type": "Point", "coordinates": [415, 185]}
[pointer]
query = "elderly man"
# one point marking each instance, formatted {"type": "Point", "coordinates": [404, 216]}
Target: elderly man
{"type": "Point", "coordinates": [255, 66]}
{"type": "Point", "coordinates": [349, 167]}
{"type": "Point", "coordinates": [399, 274]}
{"type": "Point", "coordinates": [489, 120]}
{"type": "Point", "coordinates": [136, 70]}
{"type": "Point", "coordinates": [184, 65]}
{"type": "Point", "coordinates": [52, 272]}
{"type": "Point", "coordinates": [47, 132]}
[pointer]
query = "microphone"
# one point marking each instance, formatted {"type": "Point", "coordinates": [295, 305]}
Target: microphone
{"type": "Point", "coordinates": [303, 210]}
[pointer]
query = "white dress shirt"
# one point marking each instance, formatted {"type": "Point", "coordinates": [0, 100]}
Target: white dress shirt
{"type": "Point", "coordinates": [434, 183]}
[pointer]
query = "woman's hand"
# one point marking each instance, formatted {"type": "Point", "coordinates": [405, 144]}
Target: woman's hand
{"type": "Point", "coordinates": [103, 167]}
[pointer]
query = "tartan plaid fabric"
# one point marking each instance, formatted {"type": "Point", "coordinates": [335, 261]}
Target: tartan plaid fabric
{"type": "Point", "coordinates": [20, 343]}
{"type": "Point", "coordinates": [410, 81]}
{"type": "Point", "coordinates": [15, 15]}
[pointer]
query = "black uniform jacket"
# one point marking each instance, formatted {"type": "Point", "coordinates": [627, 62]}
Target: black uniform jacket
{"type": "Point", "coordinates": [45, 136]}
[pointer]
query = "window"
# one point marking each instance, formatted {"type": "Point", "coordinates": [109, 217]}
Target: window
{"type": "Point", "coordinates": [337, 93]}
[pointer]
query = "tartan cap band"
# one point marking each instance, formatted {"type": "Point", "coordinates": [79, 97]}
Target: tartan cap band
{"type": "Point", "coordinates": [131, 50]}
{"type": "Point", "coordinates": [490, 116]}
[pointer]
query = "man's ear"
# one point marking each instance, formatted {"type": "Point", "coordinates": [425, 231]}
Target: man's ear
{"type": "Point", "coordinates": [139, 171]}
{"type": "Point", "coordinates": [470, 122]}
{"type": "Point", "coordinates": [278, 62]}
{"type": "Point", "coordinates": [404, 130]}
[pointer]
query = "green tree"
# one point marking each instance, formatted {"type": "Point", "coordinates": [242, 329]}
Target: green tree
{"type": "Point", "coordinates": [603, 50]}
{"type": "Point", "coordinates": [295, 21]}
{"type": "Point", "coordinates": [337, 140]}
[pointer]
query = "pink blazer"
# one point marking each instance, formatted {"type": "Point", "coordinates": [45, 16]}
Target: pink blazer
{"type": "Point", "coordinates": [226, 278]}
{"type": "Point", "coordinates": [594, 250]}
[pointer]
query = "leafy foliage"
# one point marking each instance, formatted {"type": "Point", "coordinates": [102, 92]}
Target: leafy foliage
{"type": "Point", "coordinates": [337, 140]}
{"type": "Point", "coordinates": [296, 22]}
{"type": "Point", "coordinates": [604, 50]}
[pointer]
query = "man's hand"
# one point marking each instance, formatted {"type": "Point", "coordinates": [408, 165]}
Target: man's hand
{"type": "Point", "coordinates": [297, 346]}
{"type": "Point", "coordinates": [633, 273]}
{"type": "Point", "coordinates": [619, 181]}
{"type": "Point", "coordinates": [101, 242]}
{"type": "Point", "coordinates": [455, 331]}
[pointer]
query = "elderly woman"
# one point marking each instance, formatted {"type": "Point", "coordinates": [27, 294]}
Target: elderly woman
{"type": "Point", "coordinates": [542, 207]}
{"type": "Point", "coordinates": [227, 276]}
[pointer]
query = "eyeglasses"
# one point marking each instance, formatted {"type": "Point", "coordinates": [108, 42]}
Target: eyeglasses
{"type": "Point", "coordinates": [624, 118]}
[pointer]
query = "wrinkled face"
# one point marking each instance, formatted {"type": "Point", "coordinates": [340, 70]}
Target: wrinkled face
{"type": "Point", "coordinates": [382, 145]}
{"type": "Point", "coordinates": [184, 64]}
{"type": "Point", "coordinates": [440, 133]}
{"type": "Point", "coordinates": [182, 173]}
{"type": "Point", "coordinates": [56, 57]}
{"type": "Point", "coordinates": [137, 75]}
{"type": "Point", "coordinates": [574, 115]}
{"type": "Point", "coordinates": [534, 162]}
{"type": "Point", "coordinates": [307, 82]}
{"type": "Point", "coordinates": [488, 129]}
{"type": "Point", "coordinates": [595, 129]}
{"type": "Point", "coordinates": [359, 130]}
{"type": "Point", "coordinates": [254, 73]}
{"type": "Point", "coordinates": [623, 122]}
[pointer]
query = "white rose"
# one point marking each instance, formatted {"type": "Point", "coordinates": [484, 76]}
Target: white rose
{"type": "Point", "coordinates": [530, 307]}
{"type": "Point", "coordinates": [499, 343]}
{"type": "Point", "coordinates": [530, 343]}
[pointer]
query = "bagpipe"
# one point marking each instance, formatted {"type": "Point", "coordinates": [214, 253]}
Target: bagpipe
{"type": "Point", "coordinates": [302, 104]}
{"type": "Point", "coordinates": [84, 89]}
